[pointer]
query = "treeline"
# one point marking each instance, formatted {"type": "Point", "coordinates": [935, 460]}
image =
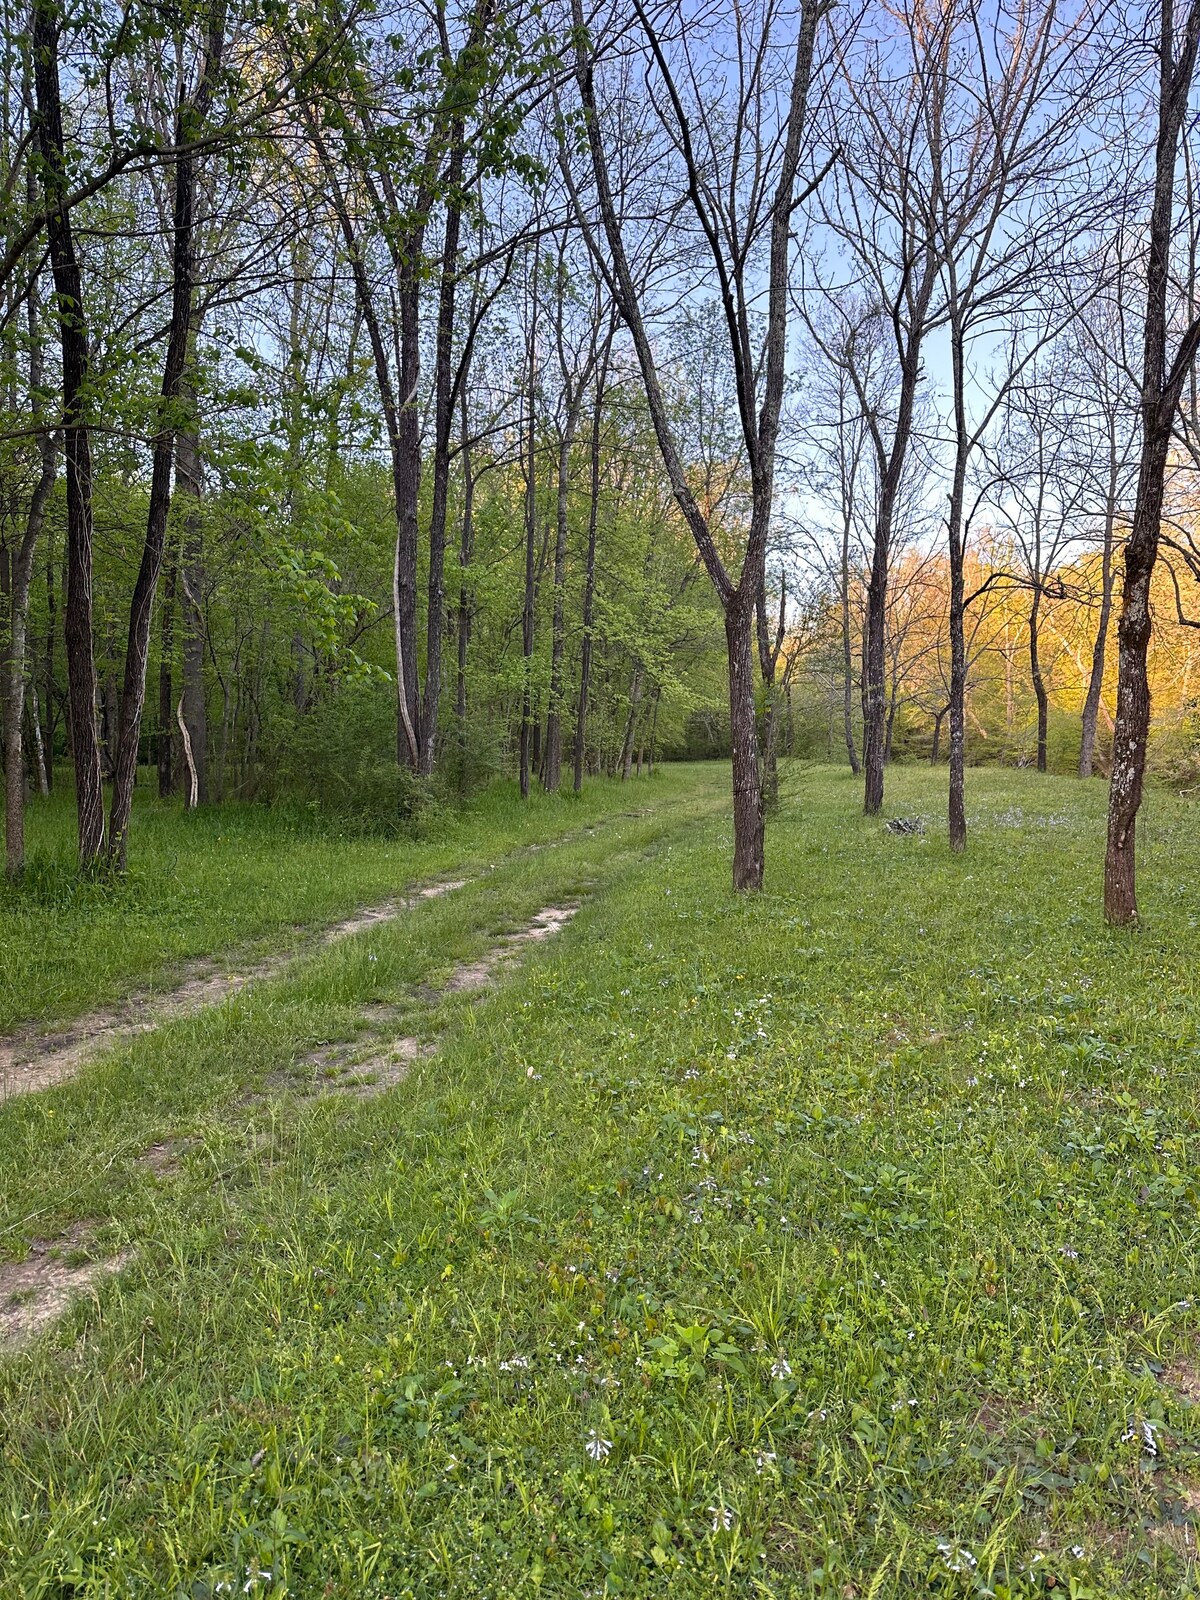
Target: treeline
{"type": "Point", "coordinates": [398, 393]}
{"type": "Point", "coordinates": [1032, 655]}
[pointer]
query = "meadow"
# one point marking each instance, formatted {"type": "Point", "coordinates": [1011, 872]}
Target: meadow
{"type": "Point", "coordinates": [835, 1241]}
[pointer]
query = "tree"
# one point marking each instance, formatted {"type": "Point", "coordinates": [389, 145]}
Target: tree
{"type": "Point", "coordinates": [737, 164]}
{"type": "Point", "coordinates": [1163, 378]}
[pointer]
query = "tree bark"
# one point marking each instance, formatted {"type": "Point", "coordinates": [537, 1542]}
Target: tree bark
{"type": "Point", "coordinates": [1039, 682]}
{"type": "Point", "coordinates": [68, 286]}
{"type": "Point", "coordinates": [466, 550]}
{"type": "Point", "coordinates": [527, 618]}
{"type": "Point", "coordinates": [19, 579]}
{"type": "Point", "coordinates": [443, 423]}
{"type": "Point", "coordinates": [748, 822]}
{"type": "Point", "coordinates": [589, 578]}
{"type": "Point", "coordinates": [553, 774]}
{"type": "Point", "coordinates": [192, 717]}
{"type": "Point", "coordinates": [189, 117]}
{"type": "Point", "coordinates": [1161, 389]}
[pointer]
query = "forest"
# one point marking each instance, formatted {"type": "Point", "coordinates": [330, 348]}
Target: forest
{"type": "Point", "coordinates": [600, 711]}
{"type": "Point", "coordinates": [393, 402]}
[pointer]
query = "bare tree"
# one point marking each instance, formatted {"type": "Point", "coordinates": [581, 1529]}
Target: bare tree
{"type": "Point", "coordinates": [1163, 379]}
{"type": "Point", "coordinates": [740, 157]}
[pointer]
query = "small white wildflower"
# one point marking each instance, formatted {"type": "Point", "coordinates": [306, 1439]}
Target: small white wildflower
{"type": "Point", "coordinates": [763, 1459]}
{"type": "Point", "coordinates": [781, 1368]}
{"type": "Point", "coordinates": [597, 1447]}
{"type": "Point", "coordinates": [1077, 1551]}
{"type": "Point", "coordinates": [1069, 1252]}
{"type": "Point", "coordinates": [722, 1518]}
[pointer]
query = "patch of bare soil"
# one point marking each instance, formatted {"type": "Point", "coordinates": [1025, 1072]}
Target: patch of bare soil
{"type": "Point", "coordinates": [471, 976]}
{"type": "Point", "coordinates": [344, 1070]}
{"type": "Point", "coordinates": [32, 1061]}
{"type": "Point", "coordinates": [1183, 1377]}
{"type": "Point", "coordinates": [36, 1292]}
{"type": "Point", "coordinates": [163, 1158]}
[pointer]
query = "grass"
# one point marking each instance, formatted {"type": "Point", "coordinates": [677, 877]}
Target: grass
{"type": "Point", "coordinates": [839, 1241]}
{"type": "Point", "coordinates": [237, 876]}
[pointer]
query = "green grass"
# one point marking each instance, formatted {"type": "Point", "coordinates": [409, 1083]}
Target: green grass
{"type": "Point", "coordinates": [243, 877]}
{"type": "Point", "coordinates": [853, 1224]}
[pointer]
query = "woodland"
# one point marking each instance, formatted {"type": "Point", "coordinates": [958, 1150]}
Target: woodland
{"type": "Point", "coordinates": [600, 711]}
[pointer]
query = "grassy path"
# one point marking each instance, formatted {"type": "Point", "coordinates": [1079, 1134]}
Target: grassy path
{"type": "Point", "coordinates": [843, 1240]}
{"type": "Point", "coordinates": [237, 885]}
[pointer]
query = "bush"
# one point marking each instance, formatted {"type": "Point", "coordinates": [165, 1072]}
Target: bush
{"type": "Point", "coordinates": [338, 757]}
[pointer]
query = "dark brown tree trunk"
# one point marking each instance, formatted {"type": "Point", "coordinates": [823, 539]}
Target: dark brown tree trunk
{"type": "Point", "coordinates": [81, 663]}
{"type": "Point", "coordinates": [1039, 682]}
{"type": "Point", "coordinates": [874, 709]}
{"type": "Point", "coordinates": [408, 489]}
{"type": "Point", "coordinates": [748, 822]}
{"type": "Point", "coordinates": [938, 718]}
{"type": "Point", "coordinates": [957, 707]}
{"type": "Point", "coordinates": [189, 118]}
{"type": "Point", "coordinates": [1161, 388]}
{"type": "Point", "coordinates": [443, 424]}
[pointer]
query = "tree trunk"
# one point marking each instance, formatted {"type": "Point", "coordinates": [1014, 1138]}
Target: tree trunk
{"type": "Point", "coordinates": [635, 696]}
{"type": "Point", "coordinates": [466, 550]}
{"type": "Point", "coordinates": [166, 658]}
{"type": "Point", "coordinates": [48, 689]}
{"type": "Point", "coordinates": [847, 654]}
{"type": "Point", "coordinates": [1039, 683]}
{"type": "Point", "coordinates": [20, 578]}
{"type": "Point", "coordinates": [1091, 705]}
{"type": "Point", "coordinates": [137, 650]}
{"type": "Point", "coordinates": [874, 707]}
{"type": "Point", "coordinates": [192, 717]}
{"type": "Point", "coordinates": [39, 748]}
{"type": "Point", "coordinates": [527, 729]}
{"type": "Point", "coordinates": [957, 707]}
{"type": "Point", "coordinates": [443, 422]}
{"type": "Point", "coordinates": [748, 822]}
{"type": "Point", "coordinates": [938, 719]}
{"type": "Point", "coordinates": [553, 777]}
{"type": "Point", "coordinates": [81, 663]}
{"type": "Point", "coordinates": [1160, 399]}
{"type": "Point", "coordinates": [589, 580]}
